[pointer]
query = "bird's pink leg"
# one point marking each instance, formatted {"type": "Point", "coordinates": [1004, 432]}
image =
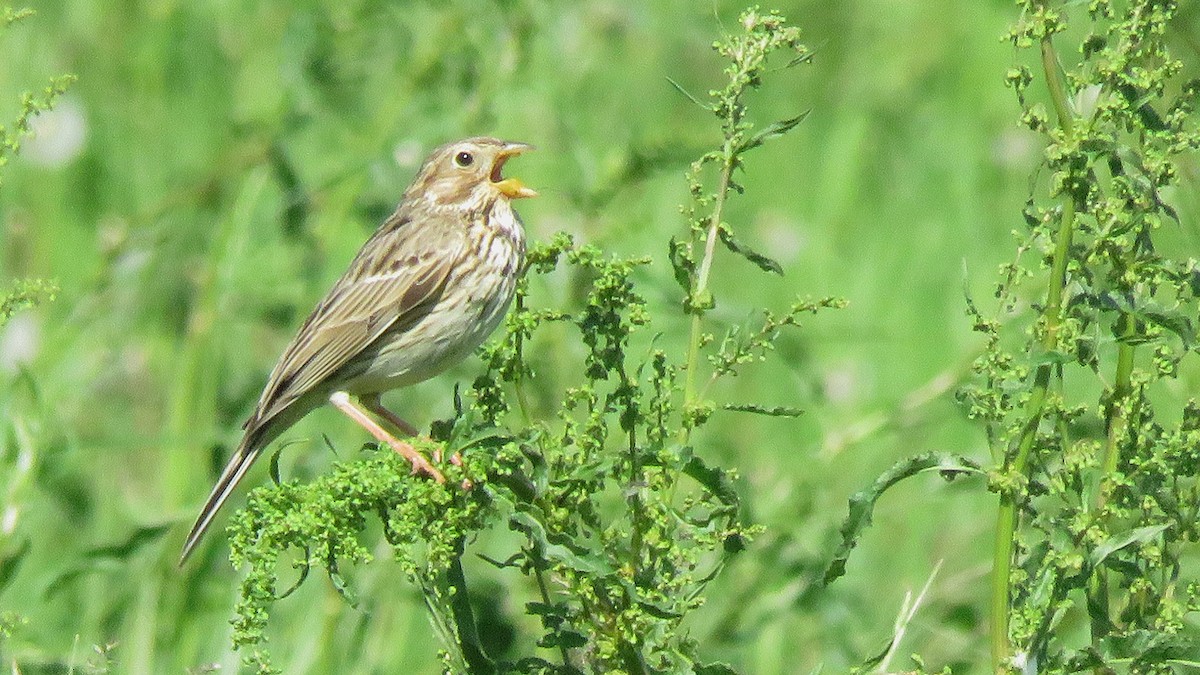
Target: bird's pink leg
{"type": "Point", "coordinates": [373, 404]}
{"type": "Point", "coordinates": [341, 401]}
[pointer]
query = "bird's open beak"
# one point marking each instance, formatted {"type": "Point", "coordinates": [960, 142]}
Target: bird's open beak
{"type": "Point", "coordinates": [510, 187]}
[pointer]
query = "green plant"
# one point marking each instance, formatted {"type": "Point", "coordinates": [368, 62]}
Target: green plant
{"type": "Point", "coordinates": [621, 524]}
{"type": "Point", "coordinates": [1097, 473]}
{"type": "Point", "coordinates": [31, 104]}
{"type": "Point", "coordinates": [24, 294]}
{"type": "Point", "coordinates": [1094, 460]}
{"type": "Point", "coordinates": [15, 453]}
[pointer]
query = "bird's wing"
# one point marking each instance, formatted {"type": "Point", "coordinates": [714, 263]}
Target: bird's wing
{"type": "Point", "coordinates": [397, 275]}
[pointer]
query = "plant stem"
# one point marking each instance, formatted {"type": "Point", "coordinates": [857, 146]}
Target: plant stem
{"type": "Point", "coordinates": [1006, 525]}
{"type": "Point", "coordinates": [537, 557]}
{"type": "Point", "coordinates": [1118, 411]}
{"type": "Point", "coordinates": [1058, 92]}
{"type": "Point", "coordinates": [545, 591]}
{"type": "Point", "coordinates": [1116, 424]}
{"type": "Point", "coordinates": [1006, 521]}
{"type": "Point", "coordinates": [519, 379]}
{"type": "Point", "coordinates": [700, 287]}
{"type": "Point", "coordinates": [464, 619]}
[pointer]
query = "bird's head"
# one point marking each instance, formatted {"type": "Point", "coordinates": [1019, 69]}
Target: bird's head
{"type": "Point", "coordinates": [469, 171]}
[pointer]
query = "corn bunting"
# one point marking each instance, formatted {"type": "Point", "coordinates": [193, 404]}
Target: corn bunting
{"type": "Point", "coordinates": [424, 291]}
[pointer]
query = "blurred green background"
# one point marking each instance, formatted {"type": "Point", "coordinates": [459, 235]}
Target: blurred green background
{"type": "Point", "coordinates": [217, 164]}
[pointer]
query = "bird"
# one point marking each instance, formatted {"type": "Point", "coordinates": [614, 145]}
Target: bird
{"type": "Point", "coordinates": [425, 290]}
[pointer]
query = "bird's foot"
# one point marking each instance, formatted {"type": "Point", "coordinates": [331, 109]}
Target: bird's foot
{"type": "Point", "coordinates": [456, 460]}
{"type": "Point", "coordinates": [420, 465]}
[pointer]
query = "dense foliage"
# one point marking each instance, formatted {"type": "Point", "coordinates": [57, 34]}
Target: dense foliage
{"type": "Point", "coordinates": [623, 523]}
{"type": "Point", "coordinates": [1098, 472]}
{"type": "Point", "coordinates": [657, 458]}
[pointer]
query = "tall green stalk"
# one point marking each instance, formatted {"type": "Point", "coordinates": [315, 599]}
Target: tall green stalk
{"type": "Point", "coordinates": [1017, 465]}
{"type": "Point", "coordinates": [1088, 521]}
{"type": "Point", "coordinates": [765, 33]}
{"type": "Point", "coordinates": [700, 287]}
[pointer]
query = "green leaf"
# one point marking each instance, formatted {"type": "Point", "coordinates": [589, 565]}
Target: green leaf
{"type": "Point", "coordinates": [872, 661]}
{"type": "Point", "coordinates": [544, 609]}
{"type": "Point", "coordinates": [340, 584]}
{"type": "Point", "coordinates": [464, 619]}
{"type": "Point", "coordinates": [715, 669]}
{"type": "Point", "coordinates": [106, 557]}
{"type": "Point", "coordinates": [862, 504]}
{"type": "Point", "coordinates": [1173, 320]}
{"type": "Point", "coordinates": [764, 263]}
{"type": "Point", "coordinates": [1050, 357]}
{"type": "Point", "coordinates": [513, 560]}
{"type": "Point", "coordinates": [274, 465]}
{"type": "Point", "coordinates": [1141, 102]}
{"type": "Point", "coordinates": [659, 610]}
{"type": "Point", "coordinates": [568, 638]}
{"type": "Point", "coordinates": [716, 480]}
{"type": "Point", "coordinates": [125, 549]}
{"type": "Point", "coordinates": [576, 558]}
{"type": "Point", "coordinates": [305, 568]}
{"type": "Point", "coordinates": [682, 265]}
{"type": "Point", "coordinates": [776, 411]}
{"type": "Point", "coordinates": [1138, 535]}
{"type": "Point", "coordinates": [297, 202]}
{"type": "Point", "coordinates": [1150, 647]}
{"type": "Point", "coordinates": [533, 664]}
{"type": "Point", "coordinates": [773, 130]}
{"type": "Point", "coordinates": [11, 562]}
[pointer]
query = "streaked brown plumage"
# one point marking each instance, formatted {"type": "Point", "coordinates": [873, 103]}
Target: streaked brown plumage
{"type": "Point", "coordinates": [424, 291]}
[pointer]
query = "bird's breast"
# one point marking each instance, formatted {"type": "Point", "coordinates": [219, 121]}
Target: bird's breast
{"type": "Point", "coordinates": [474, 300]}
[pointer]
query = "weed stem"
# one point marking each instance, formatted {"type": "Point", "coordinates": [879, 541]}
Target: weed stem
{"type": "Point", "coordinates": [1006, 522]}
{"type": "Point", "coordinates": [728, 161]}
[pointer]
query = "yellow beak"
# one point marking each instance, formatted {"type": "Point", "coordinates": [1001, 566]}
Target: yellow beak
{"type": "Point", "coordinates": [511, 187]}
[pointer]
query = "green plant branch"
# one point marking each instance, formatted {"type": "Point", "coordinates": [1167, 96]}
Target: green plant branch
{"type": "Point", "coordinates": [618, 564]}
{"type": "Point", "coordinates": [1118, 413]}
{"type": "Point", "coordinates": [539, 575]}
{"type": "Point", "coordinates": [519, 377]}
{"type": "Point", "coordinates": [464, 618]}
{"type": "Point", "coordinates": [1054, 82]}
{"type": "Point", "coordinates": [700, 288]}
{"type": "Point", "coordinates": [747, 53]}
{"type": "Point", "coordinates": [1006, 521]}
{"type": "Point", "coordinates": [31, 106]}
{"type": "Point", "coordinates": [1116, 425]}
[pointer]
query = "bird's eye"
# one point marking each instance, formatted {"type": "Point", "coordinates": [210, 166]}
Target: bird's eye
{"type": "Point", "coordinates": [464, 159]}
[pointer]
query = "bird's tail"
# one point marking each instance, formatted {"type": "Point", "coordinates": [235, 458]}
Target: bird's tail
{"type": "Point", "coordinates": [247, 451]}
